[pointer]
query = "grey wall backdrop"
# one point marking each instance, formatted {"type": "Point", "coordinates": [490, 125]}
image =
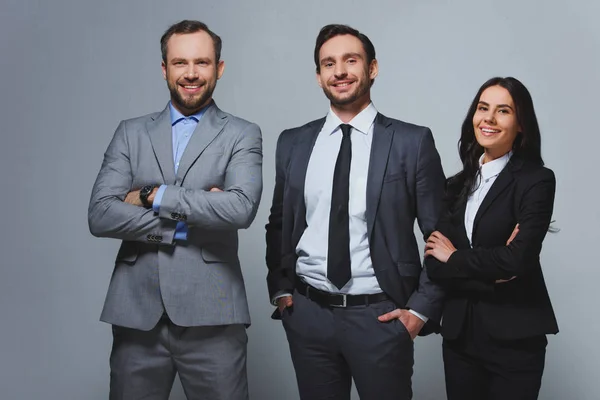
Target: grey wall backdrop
{"type": "Point", "coordinates": [71, 70]}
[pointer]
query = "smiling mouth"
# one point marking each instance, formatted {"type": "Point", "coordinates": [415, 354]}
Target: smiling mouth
{"type": "Point", "coordinates": [489, 131]}
{"type": "Point", "coordinates": [342, 85]}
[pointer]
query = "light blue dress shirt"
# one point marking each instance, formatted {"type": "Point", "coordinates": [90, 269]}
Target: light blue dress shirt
{"type": "Point", "coordinates": [182, 128]}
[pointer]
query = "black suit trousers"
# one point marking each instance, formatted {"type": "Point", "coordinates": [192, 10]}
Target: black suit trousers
{"type": "Point", "coordinates": [480, 367]}
{"type": "Point", "coordinates": [330, 347]}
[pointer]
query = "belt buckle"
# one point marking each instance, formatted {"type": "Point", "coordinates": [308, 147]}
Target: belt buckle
{"type": "Point", "coordinates": [344, 301]}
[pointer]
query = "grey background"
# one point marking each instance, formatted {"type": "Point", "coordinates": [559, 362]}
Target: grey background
{"type": "Point", "coordinates": [71, 70]}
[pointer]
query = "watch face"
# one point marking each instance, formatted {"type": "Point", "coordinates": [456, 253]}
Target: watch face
{"type": "Point", "coordinates": [146, 190]}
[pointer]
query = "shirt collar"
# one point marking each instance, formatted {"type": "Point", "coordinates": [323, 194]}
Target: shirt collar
{"type": "Point", "coordinates": [494, 167]}
{"type": "Point", "coordinates": [176, 116]}
{"type": "Point", "coordinates": [361, 122]}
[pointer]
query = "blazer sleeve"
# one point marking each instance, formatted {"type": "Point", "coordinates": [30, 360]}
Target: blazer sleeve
{"type": "Point", "coordinates": [236, 206]}
{"type": "Point", "coordinates": [439, 272]}
{"type": "Point", "coordinates": [108, 215]}
{"type": "Point", "coordinates": [430, 182]}
{"type": "Point", "coordinates": [279, 280]}
{"type": "Point", "coordinates": [503, 262]}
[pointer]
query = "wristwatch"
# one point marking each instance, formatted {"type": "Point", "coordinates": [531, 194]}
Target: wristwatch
{"type": "Point", "coordinates": [144, 193]}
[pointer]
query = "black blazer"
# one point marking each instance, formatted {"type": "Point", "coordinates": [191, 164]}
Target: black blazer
{"type": "Point", "coordinates": [405, 182]}
{"type": "Point", "coordinates": [523, 193]}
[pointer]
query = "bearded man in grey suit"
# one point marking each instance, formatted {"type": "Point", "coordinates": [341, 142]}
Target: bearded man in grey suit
{"type": "Point", "coordinates": [175, 187]}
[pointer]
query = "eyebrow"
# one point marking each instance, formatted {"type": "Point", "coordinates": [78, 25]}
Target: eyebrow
{"type": "Point", "coordinates": [498, 106]}
{"type": "Point", "coordinates": [178, 59]}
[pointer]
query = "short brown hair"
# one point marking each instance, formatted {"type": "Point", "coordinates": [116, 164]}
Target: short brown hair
{"type": "Point", "coordinates": [189, 26]}
{"type": "Point", "coordinates": [333, 30]}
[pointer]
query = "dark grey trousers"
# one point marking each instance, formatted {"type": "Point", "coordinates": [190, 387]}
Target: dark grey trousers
{"type": "Point", "coordinates": [210, 361]}
{"type": "Point", "coordinates": [332, 346]}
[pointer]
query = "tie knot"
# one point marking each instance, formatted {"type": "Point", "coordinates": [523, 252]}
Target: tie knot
{"type": "Point", "coordinates": [346, 129]}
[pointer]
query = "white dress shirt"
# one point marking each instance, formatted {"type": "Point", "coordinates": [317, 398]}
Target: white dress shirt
{"type": "Point", "coordinates": [488, 173]}
{"type": "Point", "coordinates": [312, 247]}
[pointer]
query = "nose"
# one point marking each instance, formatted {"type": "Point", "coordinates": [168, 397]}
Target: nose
{"type": "Point", "coordinates": [191, 72]}
{"type": "Point", "coordinates": [340, 70]}
{"type": "Point", "coordinates": [489, 117]}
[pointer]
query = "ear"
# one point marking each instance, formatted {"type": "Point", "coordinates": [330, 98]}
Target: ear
{"type": "Point", "coordinates": [318, 76]}
{"type": "Point", "coordinates": [164, 69]}
{"type": "Point", "coordinates": [373, 69]}
{"type": "Point", "coordinates": [220, 69]}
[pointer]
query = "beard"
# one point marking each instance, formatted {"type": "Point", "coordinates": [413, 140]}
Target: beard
{"type": "Point", "coordinates": [191, 102]}
{"type": "Point", "coordinates": [348, 98]}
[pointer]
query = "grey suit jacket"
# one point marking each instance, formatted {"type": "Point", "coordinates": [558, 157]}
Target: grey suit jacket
{"type": "Point", "coordinates": [405, 183]}
{"type": "Point", "coordinates": [198, 281]}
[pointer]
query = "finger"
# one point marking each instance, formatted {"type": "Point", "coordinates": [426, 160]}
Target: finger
{"type": "Point", "coordinates": [389, 316]}
{"type": "Point", "coordinates": [513, 235]}
{"type": "Point", "coordinates": [439, 235]}
{"type": "Point", "coordinates": [433, 239]}
{"type": "Point", "coordinates": [215, 189]}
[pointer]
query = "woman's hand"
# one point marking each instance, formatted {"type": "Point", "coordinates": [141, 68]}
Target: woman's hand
{"type": "Point", "coordinates": [439, 246]}
{"type": "Point", "coordinates": [510, 239]}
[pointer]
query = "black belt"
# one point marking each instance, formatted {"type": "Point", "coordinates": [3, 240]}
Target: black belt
{"type": "Point", "coordinates": [337, 299]}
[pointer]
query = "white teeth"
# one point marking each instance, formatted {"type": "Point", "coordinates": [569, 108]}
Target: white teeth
{"type": "Point", "coordinates": [489, 130]}
{"type": "Point", "coordinates": [191, 87]}
{"type": "Point", "coordinates": [341, 84]}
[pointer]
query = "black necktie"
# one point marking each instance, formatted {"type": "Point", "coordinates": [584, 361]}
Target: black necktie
{"type": "Point", "coordinates": [338, 249]}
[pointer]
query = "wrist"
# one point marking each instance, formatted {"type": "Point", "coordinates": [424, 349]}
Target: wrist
{"type": "Point", "coordinates": [145, 193]}
{"type": "Point", "coordinates": [152, 195]}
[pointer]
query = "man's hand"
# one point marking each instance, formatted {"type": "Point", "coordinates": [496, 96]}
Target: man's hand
{"type": "Point", "coordinates": [215, 189]}
{"type": "Point", "coordinates": [510, 239]}
{"type": "Point", "coordinates": [284, 302]}
{"type": "Point", "coordinates": [412, 323]}
{"type": "Point", "coordinates": [133, 197]}
{"type": "Point", "coordinates": [439, 246]}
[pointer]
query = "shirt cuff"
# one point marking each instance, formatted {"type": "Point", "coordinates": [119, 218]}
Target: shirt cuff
{"type": "Point", "coordinates": [158, 198]}
{"type": "Point", "coordinates": [420, 316]}
{"type": "Point", "coordinates": [279, 295]}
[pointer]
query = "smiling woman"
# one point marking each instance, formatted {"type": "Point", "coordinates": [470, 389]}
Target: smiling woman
{"type": "Point", "coordinates": [486, 248]}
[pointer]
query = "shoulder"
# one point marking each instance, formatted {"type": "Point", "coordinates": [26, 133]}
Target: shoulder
{"type": "Point", "coordinates": [238, 124]}
{"type": "Point", "coordinates": [289, 135]}
{"type": "Point", "coordinates": [141, 120]}
{"type": "Point", "coordinates": [532, 173]}
{"type": "Point", "coordinates": [403, 127]}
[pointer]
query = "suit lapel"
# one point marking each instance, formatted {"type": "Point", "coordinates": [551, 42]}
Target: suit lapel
{"type": "Point", "coordinates": [503, 180]}
{"type": "Point", "coordinates": [460, 224]}
{"type": "Point", "coordinates": [300, 153]}
{"type": "Point", "coordinates": [161, 137]}
{"type": "Point", "coordinates": [380, 150]}
{"type": "Point", "coordinates": [211, 124]}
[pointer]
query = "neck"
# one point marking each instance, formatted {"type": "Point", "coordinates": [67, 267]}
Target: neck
{"type": "Point", "coordinates": [491, 155]}
{"type": "Point", "coordinates": [186, 112]}
{"type": "Point", "coordinates": [346, 112]}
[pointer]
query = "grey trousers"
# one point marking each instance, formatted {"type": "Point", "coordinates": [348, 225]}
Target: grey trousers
{"type": "Point", "coordinates": [210, 361]}
{"type": "Point", "coordinates": [332, 346]}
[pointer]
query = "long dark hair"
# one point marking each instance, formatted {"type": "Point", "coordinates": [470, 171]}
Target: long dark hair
{"type": "Point", "coordinates": [527, 145]}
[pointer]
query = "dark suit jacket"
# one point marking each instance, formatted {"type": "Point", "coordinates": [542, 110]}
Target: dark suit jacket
{"type": "Point", "coordinates": [405, 182]}
{"type": "Point", "coordinates": [523, 193]}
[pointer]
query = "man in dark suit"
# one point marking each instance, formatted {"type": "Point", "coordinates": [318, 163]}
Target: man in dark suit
{"type": "Point", "coordinates": [344, 266]}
